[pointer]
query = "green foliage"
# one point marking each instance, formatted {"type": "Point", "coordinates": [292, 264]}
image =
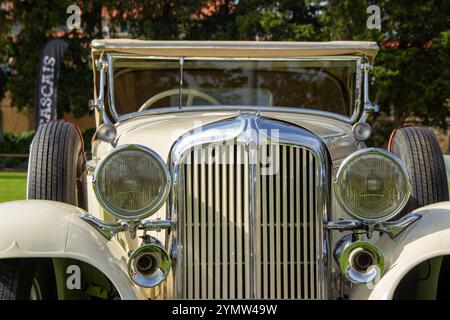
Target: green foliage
{"type": "Point", "coordinates": [17, 142]}
{"type": "Point", "coordinates": [87, 138]}
{"type": "Point", "coordinates": [256, 19]}
{"type": "Point", "coordinates": [411, 76]}
{"type": "Point", "coordinates": [154, 19]}
{"type": "Point", "coordinates": [39, 21]}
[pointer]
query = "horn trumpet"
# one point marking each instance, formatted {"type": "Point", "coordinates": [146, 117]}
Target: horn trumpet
{"type": "Point", "coordinates": [360, 261]}
{"type": "Point", "coordinates": [149, 265]}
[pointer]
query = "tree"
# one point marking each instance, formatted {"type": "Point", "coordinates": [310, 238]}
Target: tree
{"type": "Point", "coordinates": [4, 32]}
{"type": "Point", "coordinates": [2, 94]}
{"type": "Point", "coordinates": [36, 22]}
{"type": "Point", "coordinates": [255, 20]}
{"type": "Point", "coordinates": [412, 69]}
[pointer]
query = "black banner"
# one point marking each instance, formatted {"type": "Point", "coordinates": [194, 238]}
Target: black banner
{"type": "Point", "coordinates": [47, 82]}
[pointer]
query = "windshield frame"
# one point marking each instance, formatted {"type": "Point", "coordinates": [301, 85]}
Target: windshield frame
{"type": "Point", "coordinates": [357, 111]}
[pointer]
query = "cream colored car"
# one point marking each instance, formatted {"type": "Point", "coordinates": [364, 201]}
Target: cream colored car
{"type": "Point", "coordinates": [229, 170]}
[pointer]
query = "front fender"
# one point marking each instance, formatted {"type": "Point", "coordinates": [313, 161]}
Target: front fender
{"type": "Point", "coordinates": [40, 228]}
{"type": "Point", "coordinates": [427, 238]}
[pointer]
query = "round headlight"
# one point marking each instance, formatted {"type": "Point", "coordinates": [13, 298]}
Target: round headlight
{"type": "Point", "coordinates": [131, 182]}
{"type": "Point", "coordinates": [372, 185]}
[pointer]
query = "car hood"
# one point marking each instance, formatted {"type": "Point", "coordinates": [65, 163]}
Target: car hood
{"type": "Point", "coordinates": [160, 131]}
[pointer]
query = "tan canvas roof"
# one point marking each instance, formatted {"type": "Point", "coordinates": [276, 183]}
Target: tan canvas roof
{"type": "Point", "coordinates": [236, 48]}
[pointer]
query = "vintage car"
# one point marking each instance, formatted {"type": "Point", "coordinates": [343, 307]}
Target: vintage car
{"type": "Point", "coordinates": [229, 170]}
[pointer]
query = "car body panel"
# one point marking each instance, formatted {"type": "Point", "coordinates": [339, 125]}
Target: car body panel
{"type": "Point", "coordinates": [159, 132]}
{"type": "Point", "coordinates": [427, 238]}
{"type": "Point", "coordinates": [40, 229]}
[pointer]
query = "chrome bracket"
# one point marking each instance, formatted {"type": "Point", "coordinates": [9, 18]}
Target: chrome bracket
{"type": "Point", "coordinates": [156, 225]}
{"type": "Point", "coordinates": [108, 230]}
{"type": "Point", "coordinates": [368, 106]}
{"type": "Point", "coordinates": [394, 228]}
{"type": "Point", "coordinates": [344, 225]}
{"type": "Point", "coordinates": [100, 65]}
{"type": "Point", "coordinates": [391, 228]}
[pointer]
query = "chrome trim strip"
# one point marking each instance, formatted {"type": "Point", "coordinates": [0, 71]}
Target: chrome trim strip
{"type": "Point", "coordinates": [112, 104]}
{"type": "Point", "coordinates": [274, 58]}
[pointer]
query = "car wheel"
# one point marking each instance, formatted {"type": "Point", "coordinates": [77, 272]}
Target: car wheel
{"type": "Point", "coordinates": [27, 279]}
{"type": "Point", "coordinates": [418, 148]}
{"type": "Point", "coordinates": [56, 164]}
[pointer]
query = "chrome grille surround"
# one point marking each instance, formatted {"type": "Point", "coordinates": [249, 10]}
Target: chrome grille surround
{"type": "Point", "coordinates": [204, 271]}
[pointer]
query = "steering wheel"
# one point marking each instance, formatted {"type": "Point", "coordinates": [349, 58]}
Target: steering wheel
{"type": "Point", "coordinates": [191, 94]}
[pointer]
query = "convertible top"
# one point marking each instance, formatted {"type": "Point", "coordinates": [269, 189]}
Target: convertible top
{"type": "Point", "coordinates": [235, 49]}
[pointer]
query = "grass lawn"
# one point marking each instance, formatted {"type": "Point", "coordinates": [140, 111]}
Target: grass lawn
{"type": "Point", "coordinates": [13, 186]}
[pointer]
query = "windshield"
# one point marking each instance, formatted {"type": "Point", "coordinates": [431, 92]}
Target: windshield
{"type": "Point", "coordinates": [150, 83]}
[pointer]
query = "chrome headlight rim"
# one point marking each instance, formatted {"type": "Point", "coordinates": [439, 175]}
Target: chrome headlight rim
{"type": "Point", "coordinates": [156, 206]}
{"type": "Point", "coordinates": [389, 155]}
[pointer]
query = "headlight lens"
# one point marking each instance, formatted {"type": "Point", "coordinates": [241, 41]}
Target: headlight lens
{"type": "Point", "coordinates": [132, 182]}
{"type": "Point", "coordinates": [372, 185]}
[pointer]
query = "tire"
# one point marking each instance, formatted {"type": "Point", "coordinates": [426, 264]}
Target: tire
{"type": "Point", "coordinates": [19, 276]}
{"type": "Point", "coordinates": [56, 164]}
{"type": "Point", "coordinates": [418, 148]}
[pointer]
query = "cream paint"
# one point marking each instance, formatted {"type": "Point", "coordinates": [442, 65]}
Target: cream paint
{"type": "Point", "coordinates": [160, 131]}
{"type": "Point", "coordinates": [39, 228]}
{"type": "Point", "coordinates": [427, 238]}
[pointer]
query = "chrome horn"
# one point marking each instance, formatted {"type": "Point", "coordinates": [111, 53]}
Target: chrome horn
{"type": "Point", "coordinates": [360, 261]}
{"type": "Point", "coordinates": [149, 265]}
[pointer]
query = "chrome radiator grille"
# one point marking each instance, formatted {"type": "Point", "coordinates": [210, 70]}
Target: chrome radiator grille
{"type": "Point", "coordinates": [246, 232]}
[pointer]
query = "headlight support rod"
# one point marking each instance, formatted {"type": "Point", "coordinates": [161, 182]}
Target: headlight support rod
{"type": "Point", "coordinates": [108, 230]}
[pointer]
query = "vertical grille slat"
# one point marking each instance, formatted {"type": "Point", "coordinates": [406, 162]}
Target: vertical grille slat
{"type": "Point", "coordinates": [298, 213]}
{"type": "Point", "coordinates": [232, 223]}
{"type": "Point", "coordinates": [278, 245]}
{"type": "Point", "coordinates": [219, 259]}
{"type": "Point", "coordinates": [304, 219]}
{"type": "Point", "coordinates": [210, 224]}
{"type": "Point", "coordinates": [265, 226]}
{"type": "Point", "coordinates": [203, 225]}
{"type": "Point", "coordinates": [217, 224]}
{"type": "Point", "coordinates": [272, 265]}
{"type": "Point", "coordinates": [257, 237]}
{"type": "Point", "coordinates": [285, 225]}
{"type": "Point", "coordinates": [189, 244]}
{"type": "Point", "coordinates": [196, 225]}
{"type": "Point", "coordinates": [239, 215]}
{"type": "Point", "coordinates": [311, 235]}
{"type": "Point", "coordinates": [224, 226]}
{"type": "Point", "coordinates": [246, 227]}
{"type": "Point", "coordinates": [292, 264]}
